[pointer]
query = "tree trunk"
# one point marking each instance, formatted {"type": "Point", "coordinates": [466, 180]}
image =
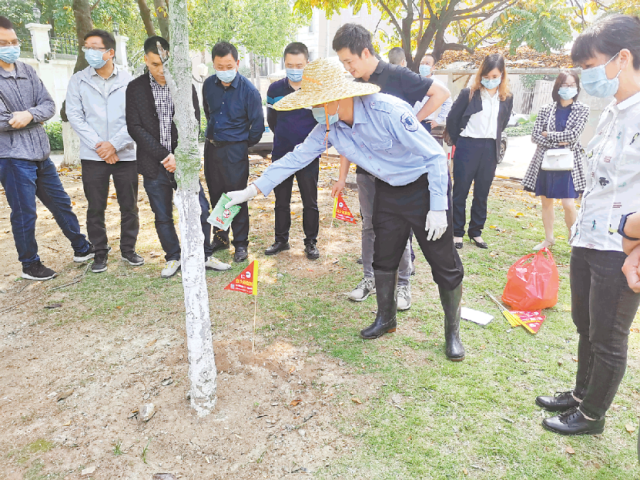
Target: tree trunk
{"type": "Point", "coordinates": [162, 12]}
{"type": "Point", "coordinates": [145, 14]}
{"type": "Point", "coordinates": [202, 367]}
{"type": "Point", "coordinates": [84, 24]}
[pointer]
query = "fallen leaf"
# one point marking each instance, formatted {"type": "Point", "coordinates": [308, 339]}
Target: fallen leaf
{"type": "Point", "coordinates": [630, 428]}
{"type": "Point", "coordinates": [152, 342]}
{"type": "Point", "coordinates": [465, 471]}
{"type": "Point", "coordinates": [492, 227]}
{"type": "Point", "coordinates": [295, 402]}
{"type": "Point", "coordinates": [64, 395]}
{"type": "Point", "coordinates": [293, 369]}
{"type": "Point", "coordinates": [519, 214]}
{"type": "Point", "coordinates": [570, 450]}
{"type": "Point", "coordinates": [67, 424]}
{"type": "Point", "coordinates": [356, 400]}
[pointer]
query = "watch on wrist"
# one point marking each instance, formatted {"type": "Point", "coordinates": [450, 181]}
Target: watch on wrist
{"type": "Point", "coordinates": [623, 223]}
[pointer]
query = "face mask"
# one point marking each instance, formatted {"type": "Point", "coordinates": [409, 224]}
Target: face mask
{"type": "Point", "coordinates": [490, 84]}
{"type": "Point", "coordinates": [567, 93]}
{"type": "Point", "coordinates": [294, 74]}
{"type": "Point", "coordinates": [94, 58]}
{"type": "Point", "coordinates": [425, 70]}
{"type": "Point", "coordinates": [226, 76]}
{"type": "Point", "coordinates": [9, 54]}
{"type": "Point", "coordinates": [319, 115]}
{"type": "Point", "coordinates": [596, 83]}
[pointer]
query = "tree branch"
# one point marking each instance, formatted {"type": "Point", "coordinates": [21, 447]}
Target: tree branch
{"type": "Point", "coordinates": [391, 16]}
{"type": "Point", "coordinates": [481, 5]}
{"type": "Point", "coordinates": [95, 5]}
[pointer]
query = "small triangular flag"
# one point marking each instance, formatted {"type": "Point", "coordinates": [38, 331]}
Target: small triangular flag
{"type": "Point", "coordinates": [247, 281]}
{"type": "Point", "coordinates": [341, 211]}
{"type": "Point", "coordinates": [532, 321]}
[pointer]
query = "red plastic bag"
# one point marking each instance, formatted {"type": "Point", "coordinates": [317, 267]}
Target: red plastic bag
{"type": "Point", "coordinates": [532, 282]}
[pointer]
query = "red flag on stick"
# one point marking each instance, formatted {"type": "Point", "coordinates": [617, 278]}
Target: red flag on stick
{"type": "Point", "coordinates": [341, 211]}
{"type": "Point", "coordinates": [247, 281]}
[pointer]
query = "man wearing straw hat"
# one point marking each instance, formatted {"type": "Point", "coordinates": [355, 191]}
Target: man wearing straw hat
{"type": "Point", "coordinates": [381, 134]}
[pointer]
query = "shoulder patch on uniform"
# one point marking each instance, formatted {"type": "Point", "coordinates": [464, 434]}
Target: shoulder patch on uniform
{"type": "Point", "coordinates": [381, 106]}
{"type": "Point", "coordinates": [409, 122]}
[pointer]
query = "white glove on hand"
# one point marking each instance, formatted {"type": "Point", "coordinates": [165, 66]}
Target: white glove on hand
{"type": "Point", "coordinates": [241, 196]}
{"type": "Point", "coordinates": [436, 224]}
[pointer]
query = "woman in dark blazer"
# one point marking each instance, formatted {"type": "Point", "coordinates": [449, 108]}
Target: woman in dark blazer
{"type": "Point", "coordinates": [559, 125]}
{"type": "Point", "coordinates": [475, 125]}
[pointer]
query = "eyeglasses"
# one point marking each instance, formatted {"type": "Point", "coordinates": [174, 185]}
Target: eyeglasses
{"type": "Point", "coordinates": [95, 49]}
{"type": "Point", "coordinates": [15, 43]}
{"type": "Point", "coordinates": [568, 85]}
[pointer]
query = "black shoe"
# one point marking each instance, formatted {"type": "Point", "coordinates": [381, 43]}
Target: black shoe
{"type": "Point", "coordinates": [451, 301]}
{"type": "Point", "coordinates": [573, 422]}
{"type": "Point", "coordinates": [385, 321]}
{"type": "Point", "coordinates": [359, 261]}
{"type": "Point", "coordinates": [277, 247]}
{"type": "Point", "coordinates": [219, 244]}
{"type": "Point", "coordinates": [37, 271]}
{"type": "Point", "coordinates": [241, 254]}
{"type": "Point", "coordinates": [413, 268]}
{"type": "Point", "coordinates": [99, 264]}
{"type": "Point", "coordinates": [133, 258]}
{"type": "Point", "coordinates": [311, 251]}
{"type": "Point", "coordinates": [458, 245]}
{"type": "Point", "coordinates": [80, 257]}
{"type": "Point", "coordinates": [479, 244]}
{"type": "Point", "coordinates": [560, 402]}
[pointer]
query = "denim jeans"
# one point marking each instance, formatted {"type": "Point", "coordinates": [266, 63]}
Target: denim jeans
{"type": "Point", "coordinates": [603, 307]}
{"type": "Point", "coordinates": [160, 193]}
{"type": "Point", "coordinates": [366, 194]}
{"type": "Point", "coordinates": [23, 181]}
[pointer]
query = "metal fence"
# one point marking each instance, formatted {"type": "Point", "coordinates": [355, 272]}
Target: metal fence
{"type": "Point", "coordinates": [64, 43]}
{"type": "Point", "coordinates": [25, 42]}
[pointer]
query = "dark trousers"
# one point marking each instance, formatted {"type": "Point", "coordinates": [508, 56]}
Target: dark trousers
{"type": "Point", "coordinates": [23, 181]}
{"type": "Point", "coordinates": [227, 169]}
{"type": "Point", "coordinates": [603, 307]}
{"type": "Point", "coordinates": [308, 183]}
{"type": "Point", "coordinates": [160, 193]}
{"type": "Point", "coordinates": [474, 162]}
{"type": "Point", "coordinates": [95, 181]}
{"type": "Point", "coordinates": [398, 210]}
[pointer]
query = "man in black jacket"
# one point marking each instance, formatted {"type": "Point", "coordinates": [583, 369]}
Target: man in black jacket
{"type": "Point", "coordinates": [150, 123]}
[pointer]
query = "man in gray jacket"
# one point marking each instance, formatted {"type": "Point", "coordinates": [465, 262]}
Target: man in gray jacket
{"type": "Point", "coordinates": [96, 111]}
{"type": "Point", "coordinates": [26, 171]}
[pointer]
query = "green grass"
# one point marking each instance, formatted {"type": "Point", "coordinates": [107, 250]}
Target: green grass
{"type": "Point", "coordinates": [477, 416]}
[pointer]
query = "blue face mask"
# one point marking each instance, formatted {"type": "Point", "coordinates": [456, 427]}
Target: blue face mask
{"type": "Point", "coordinates": [294, 74]}
{"type": "Point", "coordinates": [9, 54]}
{"type": "Point", "coordinates": [596, 83]}
{"type": "Point", "coordinates": [226, 76]}
{"type": "Point", "coordinates": [492, 83]}
{"type": "Point", "coordinates": [319, 115]}
{"type": "Point", "coordinates": [94, 58]}
{"type": "Point", "coordinates": [567, 93]}
{"type": "Point", "coordinates": [425, 70]}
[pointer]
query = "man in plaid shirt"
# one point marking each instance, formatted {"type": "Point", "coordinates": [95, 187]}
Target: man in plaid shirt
{"type": "Point", "coordinates": [150, 123]}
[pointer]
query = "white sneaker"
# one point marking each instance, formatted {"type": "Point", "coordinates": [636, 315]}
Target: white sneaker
{"type": "Point", "coordinates": [404, 297]}
{"type": "Point", "coordinates": [170, 269]}
{"type": "Point", "coordinates": [213, 263]}
{"type": "Point", "coordinates": [365, 288]}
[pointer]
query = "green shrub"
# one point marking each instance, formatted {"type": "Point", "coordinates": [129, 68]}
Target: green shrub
{"type": "Point", "coordinates": [54, 132]}
{"type": "Point", "coordinates": [520, 131]}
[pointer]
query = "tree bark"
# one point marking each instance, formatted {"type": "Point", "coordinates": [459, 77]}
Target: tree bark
{"type": "Point", "coordinates": [162, 12]}
{"type": "Point", "coordinates": [202, 367]}
{"type": "Point", "coordinates": [145, 14]}
{"type": "Point", "coordinates": [84, 24]}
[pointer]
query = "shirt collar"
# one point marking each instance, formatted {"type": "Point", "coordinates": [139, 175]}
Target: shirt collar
{"type": "Point", "coordinates": [629, 102]}
{"type": "Point", "coordinates": [359, 111]}
{"type": "Point", "coordinates": [234, 82]}
{"type": "Point", "coordinates": [92, 72]}
{"type": "Point", "coordinates": [154, 82]}
{"type": "Point", "coordinates": [18, 69]}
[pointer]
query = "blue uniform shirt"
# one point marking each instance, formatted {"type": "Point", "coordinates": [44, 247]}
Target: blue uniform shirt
{"type": "Point", "coordinates": [234, 114]}
{"type": "Point", "coordinates": [289, 128]}
{"type": "Point", "coordinates": [386, 140]}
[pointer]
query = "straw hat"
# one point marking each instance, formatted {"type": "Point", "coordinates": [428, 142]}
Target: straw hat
{"type": "Point", "coordinates": [323, 82]}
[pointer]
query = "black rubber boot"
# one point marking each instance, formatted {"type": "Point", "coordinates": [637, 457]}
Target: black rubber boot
{"type": "Point", "coordinates": [451, 304]}
{"type": "Point", "coordinates": [385, 322]}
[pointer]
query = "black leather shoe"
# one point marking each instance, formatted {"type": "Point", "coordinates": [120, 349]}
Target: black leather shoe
{"type": "Point", "coordinates": [277, 247]}
{"type": "Point", "coordinates": [385, 321]}
{"type": "Point", "coordinates": [241, 254]}
{"type": "Point", "coordinates": [458, 245]}
{"type": "Point", "coordinates": [311, 251]}
{"type": "Point", "coordinates": [219, 244]}
{"type": "Point", "coordinates": [573, 422]}
{"type": "Point", "coordinates": [359, 261]}
{"type": "Point", "coordinates": [560, 402]}
{"type": "Point", "coordinates": [451, 301]}
{"type": "Point", "coordinates": [479, 244]}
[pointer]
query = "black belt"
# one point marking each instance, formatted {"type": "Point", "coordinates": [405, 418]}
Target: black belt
{"type": "Point", "coordinates": [219, 144]}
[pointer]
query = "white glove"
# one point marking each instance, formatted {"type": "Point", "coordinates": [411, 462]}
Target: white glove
{"type": "Point", "coordinates": [241, 196]}
{"type": "Point", "coordinates": [436, 224]}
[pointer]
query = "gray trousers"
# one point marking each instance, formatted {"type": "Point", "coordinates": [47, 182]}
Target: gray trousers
{"type": "Point", "coordinates": [366, 193]}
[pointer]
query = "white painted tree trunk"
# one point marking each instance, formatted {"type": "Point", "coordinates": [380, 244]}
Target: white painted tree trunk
{"type": "Point", "coordinates": [202, 367]}
{"type": "Point", "coordinates": [71, 143]}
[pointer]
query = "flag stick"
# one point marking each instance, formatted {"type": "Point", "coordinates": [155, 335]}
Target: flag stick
{"type": "Point", "coordinates": [326, 255]}
{"type": "Point", "coordinates": [255, 314]}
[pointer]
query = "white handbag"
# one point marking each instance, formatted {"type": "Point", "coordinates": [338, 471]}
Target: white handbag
{"type": "Point", "coordinates": [557, 159]}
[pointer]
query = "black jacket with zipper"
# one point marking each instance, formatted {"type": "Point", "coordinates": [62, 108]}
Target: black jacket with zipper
{"type": "Point", "coordinates": [143, 125]}
{"type": "Point", "coordinates": [463, 108]}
